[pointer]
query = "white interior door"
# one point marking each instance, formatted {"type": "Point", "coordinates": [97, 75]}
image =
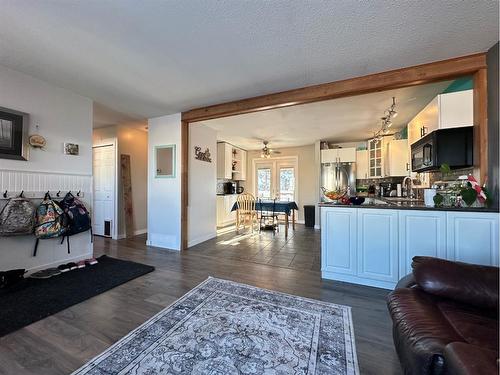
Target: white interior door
{"type": "Point", "coordinates": [276, 179]}
{"type": "Point", "coordinates": [103, 223]}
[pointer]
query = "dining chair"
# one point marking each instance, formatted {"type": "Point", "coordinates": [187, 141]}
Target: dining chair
{"type": "Point", "coordinates": [246, 213]}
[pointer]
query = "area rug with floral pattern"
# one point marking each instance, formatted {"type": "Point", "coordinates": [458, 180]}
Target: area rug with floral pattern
{"type": "Point", "coordinates": [223, 327]}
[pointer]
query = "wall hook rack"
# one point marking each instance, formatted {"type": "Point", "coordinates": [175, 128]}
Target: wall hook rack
{"type": "Point", "coordinates": [40, 194]}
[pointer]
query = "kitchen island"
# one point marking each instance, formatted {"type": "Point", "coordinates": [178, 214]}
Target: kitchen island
{"type": "Point", "coordinates": [374, 244]}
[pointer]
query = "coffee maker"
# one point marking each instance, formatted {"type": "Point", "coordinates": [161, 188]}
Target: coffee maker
{"type": "Point", "coordinates": [230, 187]}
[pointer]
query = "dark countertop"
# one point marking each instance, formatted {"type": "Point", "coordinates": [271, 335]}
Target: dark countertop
{"type": "Point", "coordinates": [391, 205]}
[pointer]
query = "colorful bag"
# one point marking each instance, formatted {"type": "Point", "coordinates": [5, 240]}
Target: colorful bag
{"type": "Point", "coordinates": [49, 220]}
{"type": "Point", "coordinates": [76, 217]}
{"type": "Point", "coordinates": [17, 218]}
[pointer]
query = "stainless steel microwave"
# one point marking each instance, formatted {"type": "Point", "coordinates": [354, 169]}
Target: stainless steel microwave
{"type": "Point", "coordinates": [453, 146]}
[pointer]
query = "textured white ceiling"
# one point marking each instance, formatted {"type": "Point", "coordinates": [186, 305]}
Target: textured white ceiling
{"type": "Point", "coordinates": [149, 58]}
{"type": "Point", "coordinates": [339, 120]}
{"type": "Point", "coordinates": [104, 116]}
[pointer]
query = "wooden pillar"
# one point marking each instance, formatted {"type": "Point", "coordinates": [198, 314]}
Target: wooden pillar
{"type": "Point", "coordinates": [184, 183]}
{"type": "Point", "coordinates": [481, 123]}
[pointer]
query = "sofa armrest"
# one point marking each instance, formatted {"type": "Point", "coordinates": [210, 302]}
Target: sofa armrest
{"type": "Point", "coordinates": [466, 283]}
{"type": "Point", "coordinates": [406, 282]}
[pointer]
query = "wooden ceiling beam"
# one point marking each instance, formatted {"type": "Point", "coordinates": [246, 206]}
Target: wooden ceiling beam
{"type": "Point", "coordinates": [415, 75]}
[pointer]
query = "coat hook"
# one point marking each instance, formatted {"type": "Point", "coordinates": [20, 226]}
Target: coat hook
{"type": "Point", "coordinates": [21, 195]}
{"type": "Point", "coordinates": [78, 194]}
{"type": "Point", "coordinates": [58, 193]}
{"type": "Point", "coordinates": [5, 194]}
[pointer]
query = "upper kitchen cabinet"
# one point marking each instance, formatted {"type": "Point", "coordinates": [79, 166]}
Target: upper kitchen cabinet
{"type": "Point", "coordinates": [397, 162]}
{"type": "Point", "coordinates": [450, 110]}
{"type": "Point", "coordinates": [231, 162]}
{"type": "Point", "coordinates": [339, 155]}
{"type": "Point", "coordinates": [362, 164]}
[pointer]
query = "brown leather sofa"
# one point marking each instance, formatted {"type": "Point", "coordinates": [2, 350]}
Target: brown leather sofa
{"type": "Point", "coordinates": [445, 318]}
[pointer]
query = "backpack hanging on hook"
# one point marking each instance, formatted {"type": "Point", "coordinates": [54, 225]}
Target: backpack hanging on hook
{"type": "Point", "coordinates": [76, 215]}
{"type": "Point", "coordinates": [17, 218]}
{"type": "Point", "coordinates": [49, 220]}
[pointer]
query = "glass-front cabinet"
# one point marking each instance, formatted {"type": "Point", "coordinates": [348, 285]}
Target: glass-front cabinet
{"type": "Point", "coordinates": [375, 158]}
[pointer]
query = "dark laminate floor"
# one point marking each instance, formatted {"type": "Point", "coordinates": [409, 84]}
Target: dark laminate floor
{"type": "Point", "coordinates": [63, 342]}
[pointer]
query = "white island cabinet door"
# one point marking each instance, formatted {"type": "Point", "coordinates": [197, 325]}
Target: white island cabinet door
{"type": "Point", "coordinates": [378, 246]}
{"type": "Point", "coordinates": [338, 241]}
{"type": "Point", "coordinates": [473, 237]}
{"type": "Point", "coordinates": [420, 233]}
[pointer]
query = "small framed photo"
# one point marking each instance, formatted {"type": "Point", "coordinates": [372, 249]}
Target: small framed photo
{"type": "Point", "coordinates": [71, 149]}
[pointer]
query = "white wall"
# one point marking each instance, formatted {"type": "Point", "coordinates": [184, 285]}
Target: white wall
{"type": "Point", "coordinates": [164, 194]}
{"type": "Point", "coordinates": [62, 117]}
{"type": "Point", "coordinates": [131, 142]}
{"type": "Point", "coordinates": [202, 209]}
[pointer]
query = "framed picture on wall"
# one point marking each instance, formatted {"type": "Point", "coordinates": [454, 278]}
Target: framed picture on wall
{"type": "Point", "coordinates": [13, 134]}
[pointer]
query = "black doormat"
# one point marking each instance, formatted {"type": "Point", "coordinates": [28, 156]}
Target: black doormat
{"type": "Point", "coordinates": [35, 299]}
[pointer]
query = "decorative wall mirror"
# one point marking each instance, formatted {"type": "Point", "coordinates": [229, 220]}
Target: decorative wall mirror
{"type": "Point", "coordinates": [165, 161]}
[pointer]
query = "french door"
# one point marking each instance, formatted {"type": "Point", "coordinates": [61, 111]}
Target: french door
{"type": "Point", "coordinates": [276, 179]}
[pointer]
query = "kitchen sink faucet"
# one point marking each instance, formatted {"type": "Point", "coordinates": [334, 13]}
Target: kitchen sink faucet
{"type": "Point", "coordinates": [408, 188]}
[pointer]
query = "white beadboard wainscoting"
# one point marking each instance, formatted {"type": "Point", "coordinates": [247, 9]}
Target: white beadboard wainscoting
{"type": "Point", "coordinates": [17, 251]}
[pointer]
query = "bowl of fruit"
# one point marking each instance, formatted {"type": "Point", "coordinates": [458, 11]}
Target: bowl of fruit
{"type": "Point", "coordinates": [333, 195]}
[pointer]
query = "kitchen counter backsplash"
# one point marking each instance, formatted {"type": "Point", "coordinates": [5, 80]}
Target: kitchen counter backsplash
{"type": "Point", "coordinates": [376, 181]}
{"type": "Point", "coordinates": [454, 175]}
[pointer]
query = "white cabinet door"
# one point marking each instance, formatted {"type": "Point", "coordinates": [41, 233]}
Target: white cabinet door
{"type": "Point", "coordinates": [220, 211]}
{"type": "Point", "coordinates": [398, 158]}
{"type": "Point", "coordinates": [347, 155]}
{"type": "Point", "coordinates": [338, 240]}
{"type": "Point", "coordinates": [329, 156]}
{"type": "Point", "coordinates": [472, 237]}
{"type": "Point", "coordinates": [420, 233]}
{"type": "Point", "coordinates": [426, 121]}
{"type": "Point", "coordinates": [378, 244]}
{"type": "Point", "coordinates": [224, 161]}
{"type": "Point", "coordinates": [334, 155]}
{"type": "Point", "coordinates": [230, 200]}
{"type": "Point", "coordinates": [362, 164]}
{"type": "Point", "coordinates": [456, 109]}
{"type": "Point", "coordinates": [243, 174]}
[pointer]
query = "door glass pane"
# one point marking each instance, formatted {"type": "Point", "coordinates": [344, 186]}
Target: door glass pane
{"type": "Point", "coordinates": [287, 184]}
{"type": "Point", "coordinates": [264, 183]}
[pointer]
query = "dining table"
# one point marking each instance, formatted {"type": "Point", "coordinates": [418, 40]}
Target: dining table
{"type": "Point", "coordinates": [287, 208]}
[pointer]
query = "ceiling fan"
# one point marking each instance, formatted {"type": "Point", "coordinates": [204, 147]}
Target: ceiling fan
{"type": "Point", "coordinates": [266, 152]}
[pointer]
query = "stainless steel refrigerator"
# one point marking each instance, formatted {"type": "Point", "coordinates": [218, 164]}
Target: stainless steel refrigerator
{"type": "Point", "coordinates": [339, 176]}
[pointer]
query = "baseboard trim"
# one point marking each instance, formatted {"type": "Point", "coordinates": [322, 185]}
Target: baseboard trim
{"type": "Point", "coordinates": [357, 280]}
{"type": "Point", "coordinates": [136, 233]}
{"type": "Point", "coordinates": [201, 239]}
{"type": "Point", "coordinates": [317, 226]}
{"type": "Point", "coordinates": [160, 245]}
